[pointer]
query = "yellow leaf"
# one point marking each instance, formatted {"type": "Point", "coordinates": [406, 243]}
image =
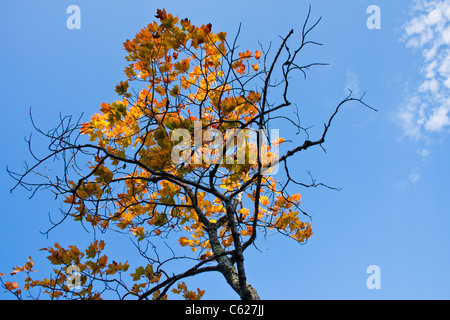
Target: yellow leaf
{"type": "Point", "coordinates": [29, 264]}
{"type": "Point", "coordinates": [264, 200]}
{"type": "Point", "coordinates": [184, 241]}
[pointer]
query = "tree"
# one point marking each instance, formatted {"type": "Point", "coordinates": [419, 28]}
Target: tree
{"type": "Point", "coordinates": [188, 153]}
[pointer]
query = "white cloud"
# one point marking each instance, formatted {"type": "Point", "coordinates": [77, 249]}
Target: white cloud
{"type": "Point", "coordinates": [438, 119]}
{"type": "Point", "coordinates": [429, 85]}
{"type": "Point", "coordinates": [414, 177]}
{"type": "Point", "coordinates": [412, 116]}
{"type": "Point", "coordinates": [424, 153]}
{"type": "Point", "coordinates": [427, 109]}
{"type": "Point", "coordinates": [409, 181]}
{"type": "Point", "coordinates": [352, 82]}
{"type": "Point", "coordinates": [434, 17]}
{"type": "Point", "coordinates": [444, 68]}
{"type": "Point", "coordinates": [446, 35]}
{"type": "Point", "coordinates": [431, 69]}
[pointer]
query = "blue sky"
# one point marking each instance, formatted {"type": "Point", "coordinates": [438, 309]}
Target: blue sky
{"type": "Point", "coordinates": [392, 165]}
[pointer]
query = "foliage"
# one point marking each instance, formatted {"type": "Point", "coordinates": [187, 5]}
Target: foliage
{"type": "Point", "coordinates": [180, 77]}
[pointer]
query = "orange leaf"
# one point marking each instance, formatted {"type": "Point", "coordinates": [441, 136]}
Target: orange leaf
{"type": "Point", "coordinates": [101, 245]}
{"type": "Point", "coordinates": [161, 14]}
{"type": "Point", "coordinates": [296, 197]}
{"type": "Point", "coordinates": [183, 241]}
{"type": "Point", "coordinates": [102, 261]}
{"type": "Point", "coordinates": [11, 285]}
{"type": "Point", "coordinates": [245, 55]}
{"type": "Point", "coordinates": [241, 69]}
{"type": "Point", "coordinates": [17, 270]}
{"type": "Point", "coordinates": [264, 200]}
{"type": "Point", "coordinates": [70, 199]}
{"type": "Point", "coordinates": [56, 294]}
{"type": "Point", "coordinates": [29, 264]}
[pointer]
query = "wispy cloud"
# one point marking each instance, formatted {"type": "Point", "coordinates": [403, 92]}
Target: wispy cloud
{"type": "Point", "coordinates": [352, 82]}
{"type": "Point", "coordinates": [409, 181]}
{"type": "Point", "coordinates": [414, 177]}
{"type": "Point", "coordinates": [424, 153]}
{"type": "Point", "coordinates": [427, 109]}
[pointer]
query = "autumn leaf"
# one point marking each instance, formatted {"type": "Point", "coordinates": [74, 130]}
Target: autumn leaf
{"type": "Point", "coordinates": [161, 14]}
{"type": "Point", "coordinates": [11, 286]}
{"type": "Point", "coordinates": [16, 270]}
{"type": "Point", "coordinates": [101, 262]}
{"type": "Point", "coordinates": [245, 55]}
{"type": "Point", "coordinates": [264, 200]}
{"type": "Point", "coordinates": [184, 241]}
{"type": "Point", "coordinates": [178, 76]}
{"type": "Point", "coordinates": [122, 87]}
{"type": "Point", "coordinates": [29, 265]}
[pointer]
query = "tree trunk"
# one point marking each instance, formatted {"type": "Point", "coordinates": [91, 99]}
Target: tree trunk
{"type": "Point", "coordinates": [229, 271]}
{"type": "Point", "coordinates": [232, 277]}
